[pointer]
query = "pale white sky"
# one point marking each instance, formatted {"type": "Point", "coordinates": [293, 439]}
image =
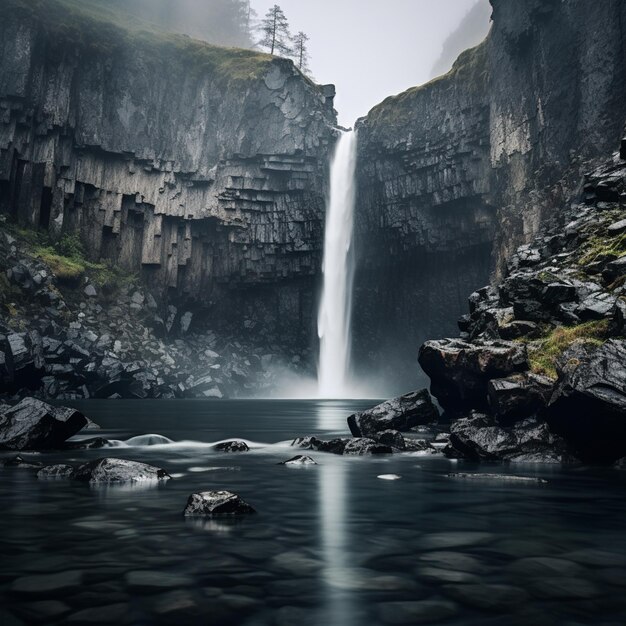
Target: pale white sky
{"type": "Point", "coordinates": [371, 49]}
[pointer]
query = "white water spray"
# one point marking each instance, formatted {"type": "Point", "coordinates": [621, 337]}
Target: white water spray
{"type": "Point", "coordinates": [333, 321]}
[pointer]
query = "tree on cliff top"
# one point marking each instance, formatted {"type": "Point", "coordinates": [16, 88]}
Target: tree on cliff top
{"type": "Point", "coordinates": [275, 32]}
{"type": "Point", "coordinates": [301, 52]}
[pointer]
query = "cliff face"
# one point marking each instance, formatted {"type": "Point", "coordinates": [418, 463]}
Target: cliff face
{"type": "Point", "coordinates": [454, 175]}
{"type": "Point", "coordinates": [202, 168]}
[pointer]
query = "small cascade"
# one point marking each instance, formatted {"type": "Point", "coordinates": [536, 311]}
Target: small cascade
{"type": "Point", "coordinates": [333, 322]}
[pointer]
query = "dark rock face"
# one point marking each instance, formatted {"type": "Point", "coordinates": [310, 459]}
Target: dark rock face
{"type": "Point", "coordinates": [391, 438]}
{"type": "Point", "coordinates": [106, 471]}
{"type": "Point", "coordinates": [232, 446]}
{"type": "Point", "coordinates": [215, 503]}
{"type": "Point", "coordinates": [223, 203]}
{"type": "Point", "coordinates": [479, 438]}
{"type": "Point", "coordinates": [446, 170]}
{"type": "Point", "coordinates": [402, 414]}
{"type": "Point", "coordinates": [589, 403]}
{"type": "Point", "coordinates": [460, 371]}
{"type": "Point", "coordinates": [35, 425]}
{"type": "Point", "coordinates": [513, 398]}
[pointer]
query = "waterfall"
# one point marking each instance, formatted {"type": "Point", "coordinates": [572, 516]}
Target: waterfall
{"type": "Point", "coordinates": [333, 321]}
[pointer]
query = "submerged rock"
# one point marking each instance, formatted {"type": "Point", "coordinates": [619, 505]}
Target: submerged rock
{"type": "Point", "coordinates": [400, 414]}
{"type": "Point", "coordinates": [300, 459]}
{"type": "Point", "coordinates": [589, 403]}
{"type": "Point", "coordinates": [334, 446]}
{"type": "Point", "coordinates": [35, 425]}
{"type": "Point", "coordinates": [214, 503]}
{"type": "Point", "coordinates": [231, 446]}
{"type": "Point", "coordinates": [87, 444]}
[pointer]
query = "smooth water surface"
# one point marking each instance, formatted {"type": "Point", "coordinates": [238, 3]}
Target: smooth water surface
{"type": "Point", "coordinates": [330, 545]}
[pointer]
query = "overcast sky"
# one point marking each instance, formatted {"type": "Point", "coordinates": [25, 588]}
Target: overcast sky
{"type": "Point", "coordinates": [371, 49]}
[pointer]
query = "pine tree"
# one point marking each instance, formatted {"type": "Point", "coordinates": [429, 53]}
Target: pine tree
{"type": "Point", "coordinates": [275, 32]}
{"type": "Point", "coordinates": [301, 52]}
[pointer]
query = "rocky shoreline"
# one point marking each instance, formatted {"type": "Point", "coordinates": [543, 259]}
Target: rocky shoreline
{"type": "Point", "coordinates": [538, 372]}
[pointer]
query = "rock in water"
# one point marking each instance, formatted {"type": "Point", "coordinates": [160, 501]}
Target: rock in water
{"type": "Point", "coordinates": [300, 459]}
{"type": "Point", "coordinates": [118, 471]}
{"type": "Point", "coordinates": [231, 446]}
{"type": "Point", "coordinates": [401, 414]}
{"type": "Point", "coordinates": [35, 425]}
{"type": "Point", "coordinates": [459, 370]}
{"type": "Point", "coordinates": [334, 446]}
{"type": "Point", "coordinates": [52, 472]}
{"type": "Point", "coordinates": [479, 438]}
{"type": "Point", "coordinates": [215, 503]}
{"type": "Point", "coordinates": [21, 462]}
{"type": "Point", "coordinates": [363, 445]}
{"type": "Point", "coordinates": [589, 403]}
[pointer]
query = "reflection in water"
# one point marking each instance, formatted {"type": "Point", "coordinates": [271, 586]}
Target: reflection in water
{"type": "Point", "coordinates": [332, 506]}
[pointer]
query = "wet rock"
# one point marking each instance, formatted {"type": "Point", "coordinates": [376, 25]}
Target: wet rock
{"type": "Point", "coordinates": [362, 445]}
{"type": "Point", "coordinates": [518, 396]}
{"type": "Point", "coordinates": [588, 407]}
{"type": "Point", "coordinates": [21, 462]}
{"type": "Point", "coordinates": [93, 443]}
{"type": "Point", "coordinates": [401, 414]}
{"type": "Point", "coordinates": [35, 425]}
{"type": "Point", "coordinates": [498, 478]}
{"type": "Point", "coordinates": [460, 371]}
{"type": "Point", "coordinates": [111, 470]}
{"type": "Point", "coordinates": [479, 438]}
{"type": "Point", "coordinates": [299, 460]}
{"type": "Point", "coordinates": [615, 269]}
{"type": "Point", "coordinates": [90, 291]}
{"type": "Point", "coordinates": [52, 472]}
{"type": "Point", "coordinates": [334, 446]}
{"type": "Point", "coordinates": [391, 438]}
{"type": "Point", "coordinates": [231, 446]}
{"type": "Point", "coordinates": [214, 503]}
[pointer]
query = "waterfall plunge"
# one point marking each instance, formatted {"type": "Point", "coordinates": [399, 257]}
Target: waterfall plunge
{"type": "Point", "coordinates": [333, 321]}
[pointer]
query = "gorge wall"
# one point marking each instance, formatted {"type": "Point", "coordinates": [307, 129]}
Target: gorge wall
{"type": "Point", "coordinates": [454, 175]}
{"type": "Point", "coordinates": [202, 168]}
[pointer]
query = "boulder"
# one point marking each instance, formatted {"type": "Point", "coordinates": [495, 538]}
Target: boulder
{"type": "Point", "coordinates": [110, 470]}
{"type": "Point", "coordinates": [22, 463]}
{"type": "Point", "coordinates": [479, 438]}
{"type": "Point", "coordinates": [231, 446]}
{"type": "Point", "coordinates": [391, 438]}
{"type": "Point", "coordinates": [334, 446]}
{"type": "Point", "coordinates": [300, 459]}
{"type": "Point", "coordinates": [362, 445]}
{"type": "Point", "coordinates": [518, 396]}
{"type": "Point", "coordinates": [213, 503]}
{"type": "Point", "coordinates": [401, 414]}
{"type": "Point", "coordinates": [460, 371]}
{"type": "Point", "coordinates": [588, 407]}
{"type": "Point", "coordinates": [35, 425]}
